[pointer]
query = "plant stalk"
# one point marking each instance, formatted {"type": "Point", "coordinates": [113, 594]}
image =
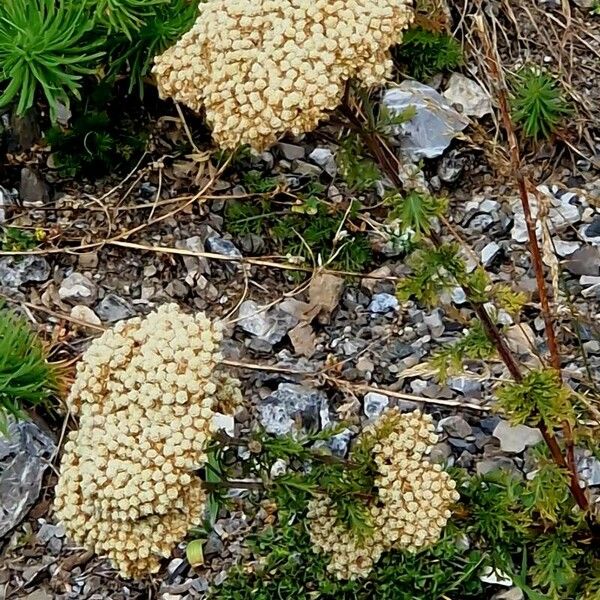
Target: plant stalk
{"type": "Point", "coordinates": [536, 255]}
{"type": "Point", "coordinates": [389, 164]}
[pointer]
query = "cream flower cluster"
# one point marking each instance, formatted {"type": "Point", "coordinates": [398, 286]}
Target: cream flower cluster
{"type": "Point", "coordinates": [412, 505]}
{"type": "Point", "coordinates": [145, 395]}
{"type": "Point", "coordinates": [261, 68]}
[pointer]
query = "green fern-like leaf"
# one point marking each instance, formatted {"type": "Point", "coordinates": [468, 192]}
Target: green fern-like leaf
{"type": "Point", "coordinates": [44, 48]}
{"type": "Point", "coordinates": [555, 563]}
{"type": "Point", "coordinates": [424, 53]}
{"type": "Point", "coordinates": [540, 396]}
{"type": "Point", "coordinates": [435, 270]}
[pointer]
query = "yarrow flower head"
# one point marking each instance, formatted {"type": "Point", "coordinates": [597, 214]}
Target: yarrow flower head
{"type": "Point", "coordinates": [261, 68]}
{"type": "Point", "coordinates": [412, 503]}
{"type": "Point", "coordinates": [145, 395]}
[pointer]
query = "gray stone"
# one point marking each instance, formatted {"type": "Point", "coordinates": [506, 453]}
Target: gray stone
{"type": "Point", "coordinates": [489, 253]}
{"type": "Point", "coordinates": [15, 271]}
{"type": "Point", "coordinates": [451, 168]}
{"type": "Point", "coordinates": [465, 385]}
{"type": "Point", "coordinates": [33, 190]}
{"type": "Point", "coordinates": [498, 463]}
{"type": "Point", "coordinates": [434, 125]}
{"type": "Point", "coordinates": [214, 545]}
{"type": "Point", "coordinates": [435, 323]}
{"type": "Point", "coordinates": [177, 289]}
{"type": "Point", "coordinates": [513, 593]}
{"type": "Point", "coordinates": [516, 439]}
{"type": "Point", "coordinates": [292, 408]}
{"type": "Point", "coordinates": [85, 314]}
{"type": "Point", "coordinates": [291, 151]}
{"type": "Point", "coordinates": [564, 248]}
{"type": "Point", "coordinates": [325, 158]}
{"type": "Point", "coordinates": [218, 245]}
{"type": "Point", "coordinates": [468, 96]}
{"type": "Point", "coordinates": [589, 468]}
{"type": "Point", "coordinates": [455, 426]}
{"type": "Point", "coordinates": [585, 261]}
{"type": "Point", "coordinates": [113, 308]}
{"type": "Point", "coordinates": [48, 531]}
{"type": "Point", "coordinates": [340, 443]}
{"type": "Point", "coordinates": [440, 453]}
{"type": "Point", "coordinates": [78, 289]}
{"type": "Point", "coordinates": [374, 404]}
{"type": "Point", "coordinates": [383, 303]}
{"type": "Point", "coordinates": [6, 200]}
{"type": "Point", "coordinates": [269, 325]}
{"type": "Point", "coordinates": [24, 457]}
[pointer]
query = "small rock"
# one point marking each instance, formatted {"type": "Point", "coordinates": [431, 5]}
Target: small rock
{"type": "Point", "coordinates": [339, 443]}
{"type": "Point", "coordinates": [85, 314]}
{"type": "Point", "coordinates": [303, 339]}
{"type": "Point", "coordinates": [78, 289]}
{"type": "Point", "coordinates": [218, 245]}
{"type": "Point", "coordinates": [383, 303]}
{"type": "Point", "coordinates": [489, 253]}
{"type": "Point", "coordinates": [498, 463]}
{"type": "Point", "coordinates": [589, 469]}
{"type": "Point", "coordinates": [324, 158]}
{"type": "Point", "coordinates": [451, 168]}
{"type": "Point", "coordinates": [292, 407]}
{"type": "Point", "coordinates": [565, 248]}
{"type": "Point", "coordinates": [291, 151]}
{"type": "Point", "coordinates": [268, 325]}
{"type": "Point", "coordinates": [455, 426]}
{"type": "Point", "coordinates": [177, 289]}
{"type": "Point", "coordinates": [214, 545]}
{"type": "Point", "coordinates": [222, 422]}
{"type": "Point", "coordinates": [374, 404]}
{"type": "Point", "coordinates": [6, 200]}
{"type": "Point", "coordinates": [306, 169]}
{"type": "Point", "coordinates": [513, 593]}
{"type": "Point", "coordinates": [585, 261]}
{"type": "Point", "coordinates": [113, 308]}
{"type": "Point", "coordinates": [15, 271]}
{"type": "Point", "coordinates": [324, 294]}
{"type": "Point", "coordinates": [440, 453]}
{"type": "Point", "coordinates": [48, 531]}
{"type": "Point", "coordinates": [591, 232]}
{"type": "Point", "coordinates": [24, 457]}
{"type": "Point", "coordinates": [435, 323]}
{"type": "Point", "coordinates": [516, 439]}
{"type": "Point", "coordinates": [434, 125]}
{"type": "Point", "coordinates": [468, 96]}
{"type": "Point", "coordinates": [465, 385]}
{"type": "Point", "coordinates": [33, 190]}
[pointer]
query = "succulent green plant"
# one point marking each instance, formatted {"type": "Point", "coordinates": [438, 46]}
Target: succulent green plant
{"type": "Point", "coordinates": [45, 47]}
{"type": "Point", "coordinates": [26, 377]}
{"type": "Point", "coordinates": [538, 103]}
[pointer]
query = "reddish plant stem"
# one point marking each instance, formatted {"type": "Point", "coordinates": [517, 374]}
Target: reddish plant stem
{"type": "Point", "coordinates": [388, 162]}
{"type": "Point", "coordinates": [536, 255]}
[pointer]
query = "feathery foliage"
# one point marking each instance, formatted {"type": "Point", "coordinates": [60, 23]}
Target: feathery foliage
{"type": "Point", "coordinates": [26, 377]}
{"type": "Point", "coordinates": [416, 212]}
{"type": "Point", "coordinates": [540, 397]}
{"type": "Point", "coordinates": [45, 47]}
{"type": "Point", "coordinates": [424, 53]}
{"type": "Point", "coordinates": [123, 16]}
{"type": "Point", "coordinates": [474, 345]}
{"type": "Point", "coordinates": [133, 50]}
{"type": "Point", "coordinates": [538, 103]}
